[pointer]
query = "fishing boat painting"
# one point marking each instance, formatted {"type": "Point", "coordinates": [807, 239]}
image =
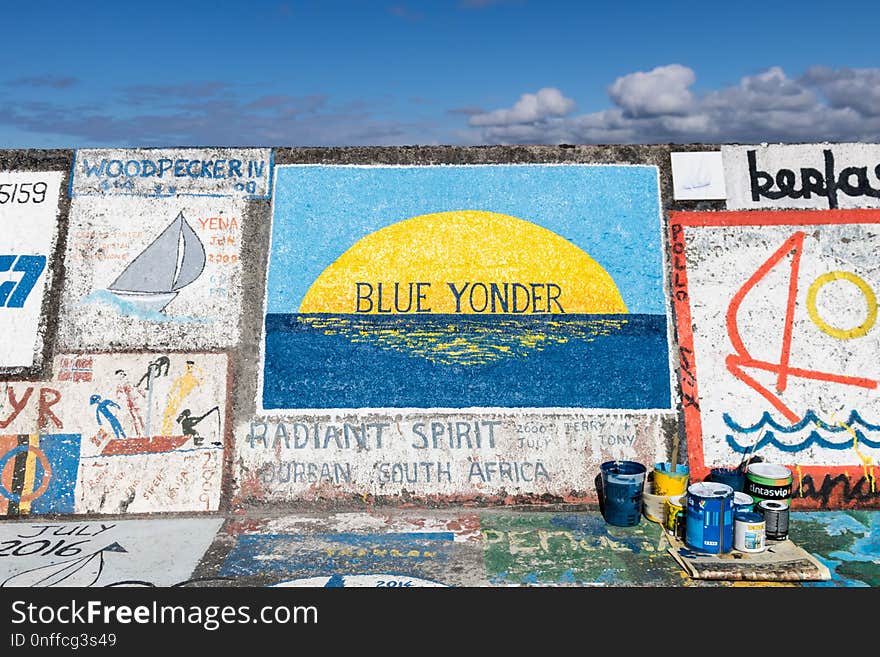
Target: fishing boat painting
{"type": "Point", "coordinates": [142, 445]}
{"type": "Point", "coordinates": [175, 259]}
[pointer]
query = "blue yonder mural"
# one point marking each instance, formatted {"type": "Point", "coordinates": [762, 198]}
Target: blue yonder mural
{"type": "Point", "coordinates": [527, 286]}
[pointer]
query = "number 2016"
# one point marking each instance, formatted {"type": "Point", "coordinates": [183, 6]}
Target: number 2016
{"type": "Point", "coordinates": [13, 294]}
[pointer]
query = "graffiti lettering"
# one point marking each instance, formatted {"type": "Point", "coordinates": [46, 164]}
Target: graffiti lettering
{"type": "Point", "coordinates": [380, 552]}
{"type": "Point", "coordinates": [688, 378]}
{"type": "Point", "coordinates": [679, 280]}
{"type": "Point", "coordinates": [852, 181]}
{"type": "Point", "coordinates": [48, 397]}
{"type": "Point", "coordinates": [512, 298]}
{"type": "Point", "coordinates": [14, 294]}
{"type": "Point", "coordinates": [364, 303]}
{"type": "Point", "coordinates": [301, 435]}
{"type": "Point", "coordinates": [220, 223]}
{"type": "Point", "coordinates": [178, 168]}
{"type": "Point", "coordinates": [444, 436]}
{"type": "Point", "coordinates": [533, 443]}
{"type": "Point", "coordinates": [529, 541]}
{"type": "Point", "coordinates": [413, 473]}
{"type": "Point", "coordinates": [593, 425]}
{"type": "Point", "coordinates": [839, 487]}
{"type": "Point", "coordinates": [209, 470]}
{"type": "Point", "coordinates": [488, 471]}
{"type": "Point", "coordinates": [482, 298]}
{"type": "Point", "coordinates": [68, 530]}
{"type": "Point", "coordinates": [23, 192]}
{"type": "Point", "coordinates": [298, 472]}
{"type": "Point", "coordinates": [618, 440]}
{"type": "Point", "coordinates": [62, 548]}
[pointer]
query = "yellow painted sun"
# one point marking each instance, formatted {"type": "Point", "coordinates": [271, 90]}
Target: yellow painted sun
{"type": "Point", "coordinates": [465, 262]}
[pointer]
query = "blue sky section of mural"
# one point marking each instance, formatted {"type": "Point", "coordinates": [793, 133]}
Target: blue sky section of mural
{"type": "Point", "coordinates": [579, 358]}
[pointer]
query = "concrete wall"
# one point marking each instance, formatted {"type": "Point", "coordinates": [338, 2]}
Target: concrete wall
{"type": "Point", "coordinates": [211, 329]}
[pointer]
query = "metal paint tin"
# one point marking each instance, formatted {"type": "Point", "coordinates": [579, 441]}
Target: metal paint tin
{"type": "Point", "coordinates": [623, 483]}
{"type": "Point", "coordinates": [768, 481]}
{"type": "Point", "coordinates": [709, 517]}
{"type": "Point", "coordinates": [749, 532]}
{"type": "Point", "coordinates": [675, 515]}
{"type": "Point", "coordinates": [775, 515]}
{"type": "Point", "coordinates": [742, 503]}
{"type": "Point", "coordinates": [653, 505]}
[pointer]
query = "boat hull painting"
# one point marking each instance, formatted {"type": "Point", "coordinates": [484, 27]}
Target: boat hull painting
{"type": "Point", "coordinates": [146, 302]}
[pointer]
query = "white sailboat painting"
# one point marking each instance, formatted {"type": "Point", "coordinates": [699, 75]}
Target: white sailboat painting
{"type": "Point", "coordinates": [169, 263]}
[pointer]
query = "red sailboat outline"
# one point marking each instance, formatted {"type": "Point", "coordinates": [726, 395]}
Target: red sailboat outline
{"type": "Point", "coordinates": [735, 362]}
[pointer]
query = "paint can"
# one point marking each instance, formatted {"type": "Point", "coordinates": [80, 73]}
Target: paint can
{"type": "Point", "coordinates": [623, 483]}
{"type": "Point", "coordinates": [775, 515]}
{"type": "Point", "coordinates": [768, 481]}
{"type": "Point", "coordinates": [733, 477]}
{"type": "Point", "coordinates": [709, 517]}
{"type": "Point", "coordinates": [653, 505]}
{"type": "Point", "coordinates": [669, 480]}
{"type": "Point", "coordinates": [749, 532]}
{"type": "Point", "coordinates": [675, 515]}
{"type": "Point", "coordinates": [742, 503]}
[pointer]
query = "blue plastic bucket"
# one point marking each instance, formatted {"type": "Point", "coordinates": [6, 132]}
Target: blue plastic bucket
{"type": "Point", "coordinates": [709, 526]}
{"type": "Point", "coordinates": [623, 483]}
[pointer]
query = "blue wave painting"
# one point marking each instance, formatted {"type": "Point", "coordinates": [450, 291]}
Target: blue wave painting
{"type": "Point", "coordinates": [771, 428]}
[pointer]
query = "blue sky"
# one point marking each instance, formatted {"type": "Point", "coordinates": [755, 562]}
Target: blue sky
{"type": "Point", "coordinates": [371, 72]}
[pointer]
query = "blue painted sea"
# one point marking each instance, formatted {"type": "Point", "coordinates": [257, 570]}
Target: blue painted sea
{"type": "Point", "coordinates": [460, 361]}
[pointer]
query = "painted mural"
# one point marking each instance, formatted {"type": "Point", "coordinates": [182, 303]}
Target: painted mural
{"type": "Point", "coordinates": [575, 549]}
{"type": "Point", "coordinates": [845, 542]}
{"type": "Point", "coordinates": [817, 176]}
{"type": "Point", "coordinates": [107, 553]}
{"type": "Point", "coordinates": [115, 433]}
{"type": "Point", "coordinates": [29, 216]}
{"type": "Point", "coordinates": [488, 457]}
{"type": "Point", "coordinates": [154, 246]}
{"type": "Point", "coordinates": [456, 330]}
{"type": "Point", "coordinates": [353, 549]}
{"type": "Point", "coordinates": [456, 287]}
{"type": "Point", "coordinates": [778, 342]}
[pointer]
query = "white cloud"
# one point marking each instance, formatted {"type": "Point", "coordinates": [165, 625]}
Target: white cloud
{"type": "Point", "coordinates": [530, 108]}
{"type": "Point", "coordinates": [855, 88]}
{"type": "Point", "coordinates": [660, 106]}
{"type": "Point", "coordinates": [663, 90]}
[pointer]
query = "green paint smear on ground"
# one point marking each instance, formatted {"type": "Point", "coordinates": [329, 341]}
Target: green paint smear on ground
{"type": "Point", "coordinates": [847, 542]}
{"type": "Point", "coordinates": [576, 548]}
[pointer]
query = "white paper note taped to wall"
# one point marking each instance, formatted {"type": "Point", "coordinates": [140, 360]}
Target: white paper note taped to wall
{"type": "Point", "coordinates": [698, 176]}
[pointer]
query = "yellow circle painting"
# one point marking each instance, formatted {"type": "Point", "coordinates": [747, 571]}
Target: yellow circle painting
{"type": "Point", "coordinates": [464, 262]}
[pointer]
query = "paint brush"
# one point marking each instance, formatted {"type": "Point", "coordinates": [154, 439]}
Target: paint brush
{"type": "Point", "coordinates": [749, 450]}
{"type": "Point", "coordinates": [674, 457]}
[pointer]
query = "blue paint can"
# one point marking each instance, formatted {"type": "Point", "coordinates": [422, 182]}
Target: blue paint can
{"type": "Point", "coordinates": [709, 526]}
{"type": "Point", "coordinates": [742, 503]}
{"type": "Point", "coordinates": [623, 483]}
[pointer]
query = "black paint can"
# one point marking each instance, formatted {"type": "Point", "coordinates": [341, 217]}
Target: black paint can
{"type": "Point", "coordinates": [775, 519]}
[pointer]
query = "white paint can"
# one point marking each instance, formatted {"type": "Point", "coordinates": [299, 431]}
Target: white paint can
{"type": "Point", "coordinates": [749, 532]}
{"type": "Point", "coordinates": [653, 505]}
